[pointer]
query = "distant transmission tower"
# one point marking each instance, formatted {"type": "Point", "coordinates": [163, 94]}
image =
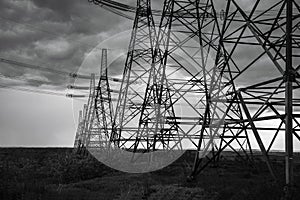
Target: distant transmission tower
{"type": "Point", "coordinates": [89, 129]}
{"type": "Point", "coordinates": [100, 110]}
{"type": "Point", "coordinates": [78, 137]}
{"type": "Point", "coordinates": [95, 121]}
{"type": "Point", "coordinates": [103, 104]}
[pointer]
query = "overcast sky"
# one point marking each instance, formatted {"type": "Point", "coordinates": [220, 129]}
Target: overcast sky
{"type": "Point", "coordinates": [58, 35]}
{"type": "Point", "coordinates": [50, 33]}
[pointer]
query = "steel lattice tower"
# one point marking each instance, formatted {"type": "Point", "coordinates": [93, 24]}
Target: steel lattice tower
{"type": "Point", "coordinates": [183, 59]}
{"type": "Point", "coordinates": [178, 38]}
{"type": "Point", "coordinates": [270, 35]}
{"type": "Point", "coordinates": [100, 110]}
{"type": "Point", "coordinates": [89, 131]}
{"type": "Point", "coordinates": [95, 121]}
{"type": "Point", "coordinates": [78, 136]}
{"type": "Point", "coordinates": [246, 82]}
{"type": "Point", "coordinates": [136, 71]}
{"type": "Point", "coordinates": [103, 106]}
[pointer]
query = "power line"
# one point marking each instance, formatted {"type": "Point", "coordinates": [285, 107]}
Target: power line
{"type": "Point", "coordinates": [25, 79]}
{"type": "Point", "coordinates": [67, 95]}
{"type": "Point", "coordinates": [31, 66]}
{"type": "Point", "coordinates": [118, 8]}
{"type": "Point", "coordinates": [46, 69]}
{"type": "Point", "coordinates": [31, 90]}
{"type": "Point", "coordinates": [60, 72]}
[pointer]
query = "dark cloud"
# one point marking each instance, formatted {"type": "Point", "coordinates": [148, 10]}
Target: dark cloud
{"type": "Point", "coordinates": [60, 11]}
{"type": "Point", "coordinates": [53, 33]}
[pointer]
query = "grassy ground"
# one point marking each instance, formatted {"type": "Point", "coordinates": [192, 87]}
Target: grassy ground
{"type": "Point", "coordinates": [57, 173]}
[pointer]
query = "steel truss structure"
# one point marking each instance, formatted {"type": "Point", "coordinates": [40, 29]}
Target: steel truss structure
{"type": "Point", "coordinates": [268, 102]}
{"type": "Point", "coordinates": [176, 94]}
{"type": "Point", "coordinates": [136, 71]}
{"type": "Point", "coordinates": [86, 119]}
{"type": "Point", "coordinates": [101, 122]}
{"type": "Point", "coordinates": [78, 144]}
{"type": "Point", "coordinates": [94, 125]}
{"type": "Point", "coordinates": [265, 92]}
{"type": "Point", "coordinates": [174, 70]}
{"type": "Point", "coordinates": [210, 78]}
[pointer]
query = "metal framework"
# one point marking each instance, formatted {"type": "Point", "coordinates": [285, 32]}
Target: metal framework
{"type": "Point", "coordinates": [180, 79]}
{"type": "Point", "coordinates": [89, 116]}
{"type": "Point", "coordinates": [102, 114]}
{"type": "Point", "coordinates": [95, 121]}
{"type": "Point", "coordinates": [78, 137]}
{"type": "Point", "coordinates": [136, 71]}
{"type": "Point", "coordinates": [175, 76]}
{"type": "Point", "coordinates": [211, 79]}
{"type": "Point", "coordinates": [264, 84]}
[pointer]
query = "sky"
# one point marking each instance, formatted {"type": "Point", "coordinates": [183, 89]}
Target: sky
{"type": "Point", "coordinates": [52, 34]}
{"type": "Point", "coordinates": [59, 35]}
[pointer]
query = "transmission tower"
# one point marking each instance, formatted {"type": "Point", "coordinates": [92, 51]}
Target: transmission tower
{"type": "Point", "coordinates": [89, 120]}
{"type": "Point", "coordinates": [161, 119]}
{"type": "Point", "coordinates": [95, 121]}
{"type": "Point", "coordinates": [266, 85]}
{"type": "Point", "coordinates": [100, 110]}
{"type": "Point", "coordinates": [81, 132]}
{"type": "Point", "coordinates": [186, 74]}
{"type": "Point", "coordinates": [136, 71]}
{"type": "Point", "coordinates": [212, 79]}
{"type": "Point", "coordinates": [191, 44]}
{"type": "Point", "coordinates": [78, 136]}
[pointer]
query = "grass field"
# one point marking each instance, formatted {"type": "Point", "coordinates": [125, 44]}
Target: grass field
{"type": "Point", "coordinates": [57, 173]}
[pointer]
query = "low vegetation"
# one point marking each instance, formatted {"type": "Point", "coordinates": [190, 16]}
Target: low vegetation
{"type": "Point", "coordinates": [58, 173]}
